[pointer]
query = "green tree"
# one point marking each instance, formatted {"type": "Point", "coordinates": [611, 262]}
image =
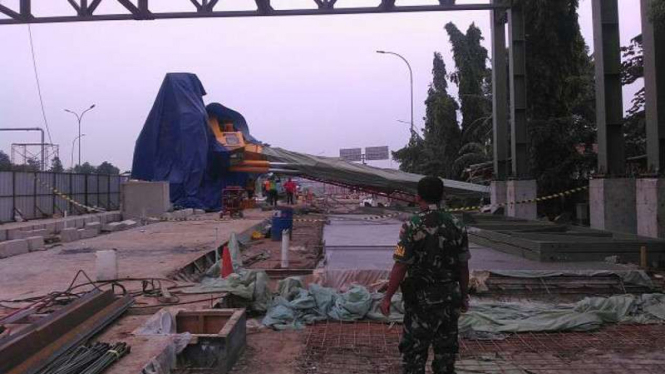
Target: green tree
{"type": "Point", "coordinates": [107, 168]}
{"type": "Point", "coordinates": [86, 168]}
{"type": "Point", "coordinates": [434, 154]}
{"type": "Point", "coordinates": [56, 165]}
{"type": "Point", "coordinates": [411, 157]}
{"type": "Point", "coordinates": [658, 13]}
{"type": "Point", "coordinates": [5, 163]}
{"type": "Point", "coordinates": [632, 69]}
{"type": "Point", "coordinates": [442, 131]}
{"type": "Point", "coordinates": [471, 62]}
{"type": "Point", "coordinates": [560, 94]}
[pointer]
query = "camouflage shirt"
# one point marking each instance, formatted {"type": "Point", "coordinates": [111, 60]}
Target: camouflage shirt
{"type": "Point", "coordinates": [433, 244]}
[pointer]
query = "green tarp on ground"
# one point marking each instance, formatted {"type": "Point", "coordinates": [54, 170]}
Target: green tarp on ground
{"type": "Point", "coordinates": [296, 306]}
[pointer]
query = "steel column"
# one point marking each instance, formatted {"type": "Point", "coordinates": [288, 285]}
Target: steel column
{"type": "Point", "coordinates": [653, 42]}
{"type": "Point", "coordinates": [609, 98]}
{"type": "Point", "coordinates": [519, 132]}
{"type": "Point", "coordinates": [499, 94]}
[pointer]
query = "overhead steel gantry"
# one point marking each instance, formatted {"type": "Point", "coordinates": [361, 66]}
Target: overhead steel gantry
{"type": "Point", "coordinates": [86, 10]}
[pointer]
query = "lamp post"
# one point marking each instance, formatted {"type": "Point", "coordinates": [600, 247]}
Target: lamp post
{"type": "Point", "coordinates": [71, 165]}
{"type": "Point", "coordinates": [79, 118]}
{"type": "Point", "coordinates": [413, 131]}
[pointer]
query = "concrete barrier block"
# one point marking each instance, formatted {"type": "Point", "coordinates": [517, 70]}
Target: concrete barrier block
{"type": "Point", "coordinates": [50, 228]}
{"type": "Point", "coordinates": [94, 226]}
{"type": "Point", "coordinates": [113, 227]}
{"type": "Point", "coordinates": [31, 233]}
{"type": "Point", "coordinates": [199, 211]}
{"type": "Point", "coordinates": [35, 243]}
{"type": "Point", "coordinates": [3, 235]}
{"type": "Point", "coordinates": [87, 233]}
{"type": "Point", "coordinates": [69, 235]}
{"type": "Point", "coordinates": [188, 212]}
{"type": "Point", "coordinates": [13, 234]}
{"type": "Point", "coordinates": [59, 226]}
{"type": "Point", "coordinates": [79, 222]}
{"type": "Point", "coordinates": [128, 223]}
{"type": "Point", "coordinates": [15, 247]}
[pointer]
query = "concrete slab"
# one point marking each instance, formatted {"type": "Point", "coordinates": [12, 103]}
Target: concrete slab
{"type": "Point", "coordinates": [3, 235]}
{"type": "Point", "coordinates": [353, 231]}
{"type": "Point", "coordinates": [155, 251]}
{"type": "Point", "coordinates": [144, 199]}
{"type": "Point", "coordinates": [613, 204]}
{"type": "Point", "coordinates": [10, 248]}
{"type": "Point", "coordinates": [35, 243]}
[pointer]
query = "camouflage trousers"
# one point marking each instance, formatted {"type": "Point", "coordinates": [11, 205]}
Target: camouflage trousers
{"type": "Point", "coordinates": [434, 326]}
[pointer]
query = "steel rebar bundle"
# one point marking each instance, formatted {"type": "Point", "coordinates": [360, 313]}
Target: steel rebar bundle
{"type": "Point", "coordinates": [88, 359]}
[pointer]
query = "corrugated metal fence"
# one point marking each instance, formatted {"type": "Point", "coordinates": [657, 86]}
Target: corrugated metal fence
{"type": "Point", "coordinates": [21, 193]}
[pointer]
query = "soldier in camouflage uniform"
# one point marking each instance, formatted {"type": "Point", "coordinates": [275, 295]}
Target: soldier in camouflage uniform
{"type": "Point", "coordinates": [431, 266]}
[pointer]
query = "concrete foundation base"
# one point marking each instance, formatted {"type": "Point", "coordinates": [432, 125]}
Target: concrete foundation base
{"type": "Point", "coordinates": [518, 191]}
{"type": "Point", "coordinates": [498, 194]}
{"type": "Point", "coordinates": [612, 204]}
{"type": "Point", "coordinates": [650, 206]}
{"type": "Point", "coordinates": [144, 199]}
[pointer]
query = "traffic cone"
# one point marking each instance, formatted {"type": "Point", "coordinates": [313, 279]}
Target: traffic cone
{"type": "Point", "coordinates": [227, 264]}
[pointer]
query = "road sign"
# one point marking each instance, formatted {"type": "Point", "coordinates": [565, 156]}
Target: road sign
{"type": "Point", "coordinates": [351, 154]}
{"type": "Point", "coordinates": [377, 153]}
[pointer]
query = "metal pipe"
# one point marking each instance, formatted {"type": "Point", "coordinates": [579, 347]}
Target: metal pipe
{"type": "Point", "coordinates": [285, 249]}
{"type": "Point", "coordinates": [413, 131]}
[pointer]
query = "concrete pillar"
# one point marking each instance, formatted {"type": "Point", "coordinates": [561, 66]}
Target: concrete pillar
{"type": "Point", "coordinates": [609, 99]}
{"type": "Point", "coordinates": [518, 100]}
{"type": "Point", "coordinates": [498, 193]}
{"type": "Point", "coordinates": [518, 191]}
{"type": "Point", "coordinates": [500, 94]}
{"type": "Point", "coordinates": [650, 196]}
{"type": "Point", "coordinates": [612, 204]}
{"type": "Point", "coordinates": [653, 42]}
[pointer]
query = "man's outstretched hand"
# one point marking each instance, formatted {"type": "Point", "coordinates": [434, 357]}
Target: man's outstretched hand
{"type": "Point", "coordinates": [385, 306]}
{"type": "Point", "coordinates": [465, 304]}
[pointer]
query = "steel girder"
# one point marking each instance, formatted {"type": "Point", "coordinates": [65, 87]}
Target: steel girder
{"type": "Point", "coordinates": [86, 10]}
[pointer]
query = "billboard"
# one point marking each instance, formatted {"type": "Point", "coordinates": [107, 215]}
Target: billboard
{"type": "Point", "coordinates": [377, 153]}
{"type": "Point", "coordinates": [351, 154]}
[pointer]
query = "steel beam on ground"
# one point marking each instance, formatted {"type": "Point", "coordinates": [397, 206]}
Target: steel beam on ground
{"type": "Point", "coordinates": [500, 93]}
{"type": "Point", "coordinates": [518, 99]}
{"type": "Point", "coordinates": [653, 42]}
{"type": "Point", "coordinates": [609, 98]}
{"type": "Point", "coordinates": [142, 11]}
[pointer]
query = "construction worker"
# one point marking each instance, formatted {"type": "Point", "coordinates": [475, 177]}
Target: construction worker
{"type": "Point", "coordinates": [431, 267]}
{"type": "Point", "coordinates": [274, 196]}
{"type": "Point", "coordinates": [290, 188]}
{"type": "Point", "coordinates": [266, 190]}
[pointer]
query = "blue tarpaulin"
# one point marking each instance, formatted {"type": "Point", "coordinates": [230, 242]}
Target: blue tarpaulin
{"type": "Point", "coordinates": [176, 145]}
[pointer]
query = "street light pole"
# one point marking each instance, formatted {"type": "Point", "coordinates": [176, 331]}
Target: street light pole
{"type": "Point", "coordinates": [71, 165]}
{"type": "Point", "coordinates": [413, 131]}
{"type": "Point", "coordinates": [79, 118]}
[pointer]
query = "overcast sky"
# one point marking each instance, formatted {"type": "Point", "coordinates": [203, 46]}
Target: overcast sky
{"type": "Point", "coordinates": [308, 84]}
